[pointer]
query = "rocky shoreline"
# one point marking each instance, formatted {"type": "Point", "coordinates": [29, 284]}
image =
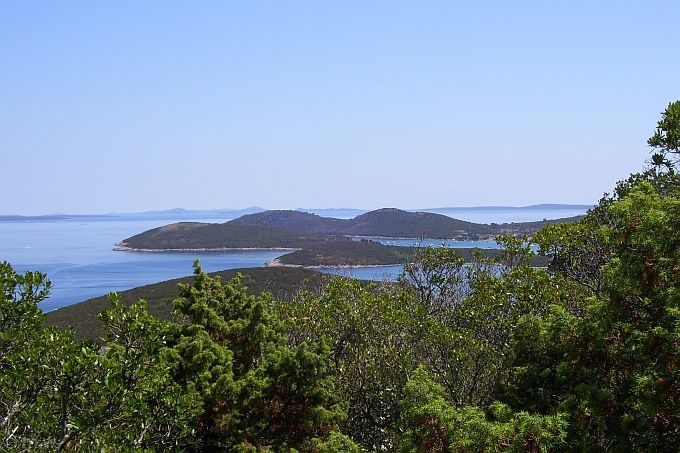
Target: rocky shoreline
{"type": "Point", "coordinates": [121, 247]}
{"type": "Point", "coordinates": [277, 263]}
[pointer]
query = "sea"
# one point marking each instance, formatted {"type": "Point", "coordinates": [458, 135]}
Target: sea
{"type": "Point", "coordinates": [78, 255]}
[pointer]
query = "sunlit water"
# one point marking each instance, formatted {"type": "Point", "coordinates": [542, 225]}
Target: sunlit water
{"type": "Point", "coordinates": [410, 242]}
{"type": "Point", "coordinates": [79, 259]}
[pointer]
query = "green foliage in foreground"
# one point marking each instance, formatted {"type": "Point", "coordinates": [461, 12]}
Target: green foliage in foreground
{"type": "Point", "coordinates": [224, 378]}
{"type": "Point", "coordinates": [257, 390]}
{"type": "Point", "coordinates": [614, 369]}
{"type": "Point", "coordinates": [83, 318]}
{"type": "Point", "coordinates": [61, 394]}
{"type": "Point", "coordinates": [454, 319]}
{"type": "Point", "coordinates": [493, 355]}
{"type": "Point", "coordinates": [432, 423]}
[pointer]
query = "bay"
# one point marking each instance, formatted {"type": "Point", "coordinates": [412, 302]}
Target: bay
{"type": "Point", "coordinates": [390, 273]}
{"type": "Point", "coordinates": [376, 273]}
{"type": "Point", "coordinates": [78, 257]}
{"type": "Point", "coordinates": [411, 242]}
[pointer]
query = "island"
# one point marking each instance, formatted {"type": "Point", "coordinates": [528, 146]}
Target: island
{"type": "Point", "coordinates": [315, 241]}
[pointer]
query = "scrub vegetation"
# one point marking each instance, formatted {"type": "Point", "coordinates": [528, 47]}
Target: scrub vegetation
{"type": "Point", "coordinates": [490, 355]}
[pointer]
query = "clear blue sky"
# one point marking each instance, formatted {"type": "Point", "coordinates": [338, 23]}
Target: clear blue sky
{"type": "Point", "coordinates": [130, 106]}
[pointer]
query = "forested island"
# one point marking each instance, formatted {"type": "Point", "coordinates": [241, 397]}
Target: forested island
{"type": "Point", "coordinates": [323, 241]}
{"type": "Point", "coordinates": [350, 253]}
{"type": "Point", "coordinates": [489, 353]}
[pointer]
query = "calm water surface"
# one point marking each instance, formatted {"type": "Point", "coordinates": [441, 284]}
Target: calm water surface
{"type": "Point", "coordinates": [78, 256]}
{"type": "Point", "coordinates": [79, 259]}
{"type": "Point", "coordinates": [410, 242]}
{"type": "Point", "coordinates": [378, 273]}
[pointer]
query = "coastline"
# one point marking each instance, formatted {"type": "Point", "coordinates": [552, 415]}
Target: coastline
{"type": "Point", "coordinates": [277, 263]}
{"type": "Point", "coordinates": [125, 248]}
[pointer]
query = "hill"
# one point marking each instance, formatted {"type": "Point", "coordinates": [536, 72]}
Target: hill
{"type": "Point", "coordinates": [398, 223]}
{"type": "Point", "coordinates": [390, 222]}
{"type": "Point", "coordinates": [283, 282]}
{"type": "Point", "coordinates": [381, 222]}
{"type": "Point", "coordinates": [295, 229]}
{"type": "Point", "coordinates": [293, 220]}
{"type": "Point", "coordinates": [369, 253]}
{"type": "Point", "coordinates": [347, 253]}
{"type": "Point", "coordinates": [193, 235]}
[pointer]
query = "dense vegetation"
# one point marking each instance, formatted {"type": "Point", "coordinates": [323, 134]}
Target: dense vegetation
{"type": "Point", "coordinates": [382, 222]}
{"type": "Point", "coordinates": [369, 253]}
{"type": "Point", "coordinates": [293, 220]}
{"type": "Point", "coordinates": [295, 229]}
{"type": "Point", "coordinates": [200, 236]}
{"type": "Point", "coordinates": [283, 283]}
{"type": "Point", "coordinates": [495, 355]}
{"type": "Point", "coordinates": [347, 252]}
{"type": "Point", "coordinates": [390, 222]}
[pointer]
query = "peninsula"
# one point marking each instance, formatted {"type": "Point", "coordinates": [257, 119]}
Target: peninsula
{"type": "Point", "coordinates": [322, 241]}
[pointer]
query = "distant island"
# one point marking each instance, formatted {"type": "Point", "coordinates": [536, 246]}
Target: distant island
{"type": "Point", "coordinates": [189, 214]}
{"type": "Point", "coordinates": [322, 241]}
{"type": "Point", "coordinates": [176, 213]}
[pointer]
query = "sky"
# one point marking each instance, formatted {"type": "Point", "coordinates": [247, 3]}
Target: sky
{"type": "Point", "coordinates": [134, 106]}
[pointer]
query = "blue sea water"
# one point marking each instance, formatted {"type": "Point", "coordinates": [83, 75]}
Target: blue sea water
{"type": "Point", "coordinates": [376, 273]}
{"type": "Point", "coordinates": [78, 257]}
{"type": "Point", "coordinates": [411, 242]}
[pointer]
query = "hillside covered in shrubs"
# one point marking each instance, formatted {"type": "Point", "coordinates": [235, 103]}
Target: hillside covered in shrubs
{"type": "Point", "coordinates": [492, 355]}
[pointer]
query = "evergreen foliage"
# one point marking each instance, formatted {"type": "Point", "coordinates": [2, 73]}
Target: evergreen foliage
{"type": "Point", "coordinates": [256, 389]}
{"type": "Point", "coordinates": [487, 355]}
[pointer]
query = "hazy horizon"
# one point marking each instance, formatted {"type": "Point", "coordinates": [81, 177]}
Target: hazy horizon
{"type": "Point", "coordinates": [548, 206]}
{"type": "Point", "coordinates": [139, 106]}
